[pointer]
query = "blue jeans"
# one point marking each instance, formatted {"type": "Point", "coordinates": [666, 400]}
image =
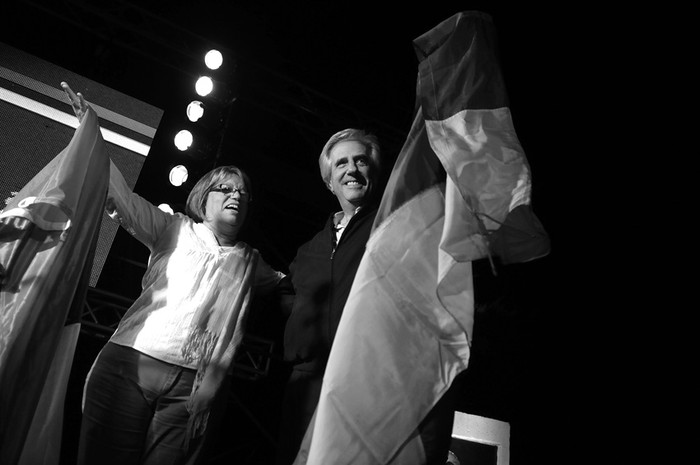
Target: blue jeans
{"type": "Point", "coordinates": [134, 411]}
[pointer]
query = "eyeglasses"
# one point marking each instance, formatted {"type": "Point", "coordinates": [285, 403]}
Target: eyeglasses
{"type": "Point", "coordinates": [226, 190]}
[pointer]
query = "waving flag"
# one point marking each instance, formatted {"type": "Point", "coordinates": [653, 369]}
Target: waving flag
{"type": "Point", "coordinates": [460, 191]}
{"type": "Point", "coordinates": [48, 233]}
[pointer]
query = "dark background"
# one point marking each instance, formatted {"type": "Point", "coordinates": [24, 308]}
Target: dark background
{"type": "Point", "coordinates": [304, 70]}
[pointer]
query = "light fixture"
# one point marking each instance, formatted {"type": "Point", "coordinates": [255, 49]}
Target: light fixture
{"type": "Point", "coordinates": [166, 208]}
{"type": "Point", "coordinates": [213, 59]}
{"type": "Point", "coordinates": [195, 110]}
{"type": "Point", "coordinates": [204, 86]}
{"type": "Point", "coordinates": [183, 140]}
{"type": "Point", "coordinates": [178, 175]}
{"type": "Point", "coordinates": [196, 142]}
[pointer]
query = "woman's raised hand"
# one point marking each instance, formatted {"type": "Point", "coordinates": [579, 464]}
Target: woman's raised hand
{"type": "Point", "coordinates": [77, 101]}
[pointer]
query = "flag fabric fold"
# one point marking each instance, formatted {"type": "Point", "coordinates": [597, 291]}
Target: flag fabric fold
{"type": "Point", "coordinates": [48, 234]}
{"type": "Point", "coordinates": [406, 329]}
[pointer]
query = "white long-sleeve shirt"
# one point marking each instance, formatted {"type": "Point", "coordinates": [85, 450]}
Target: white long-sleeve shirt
{"type": "Point", "coordinates": [188, 273]}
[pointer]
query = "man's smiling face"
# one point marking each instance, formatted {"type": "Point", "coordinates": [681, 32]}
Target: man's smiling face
{"type": "Point", "coordinates": [351, 173]}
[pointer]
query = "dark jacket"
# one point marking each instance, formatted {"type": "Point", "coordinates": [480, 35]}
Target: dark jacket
{"type": "Point", "coordinates": [322, 277]}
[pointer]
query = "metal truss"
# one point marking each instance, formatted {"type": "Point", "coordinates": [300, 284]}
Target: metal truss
{"type": "Point", "coordinates": [102, 311]}
{"type": "Point", "coordinates": [129, 26]}
{"type": "Point", "coordinates": [142, 29]}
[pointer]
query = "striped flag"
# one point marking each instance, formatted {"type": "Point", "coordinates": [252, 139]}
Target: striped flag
{"type": "Point", "coordinates": [48, 233]}
{"type": "Point", "coordinates": [459, 191]}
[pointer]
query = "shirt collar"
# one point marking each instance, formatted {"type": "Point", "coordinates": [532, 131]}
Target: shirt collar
{"type": "Point", "coordinates": [338, 217]}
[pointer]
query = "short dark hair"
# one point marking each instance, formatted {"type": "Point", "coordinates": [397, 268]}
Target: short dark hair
{"type": "Point", "coordinates": [197, 199]}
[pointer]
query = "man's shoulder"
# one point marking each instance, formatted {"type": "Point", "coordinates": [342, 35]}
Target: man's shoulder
{"type": "Point", "coordinates": [369, 211]}
{"type": "Point", "coordinates": [322, 235]}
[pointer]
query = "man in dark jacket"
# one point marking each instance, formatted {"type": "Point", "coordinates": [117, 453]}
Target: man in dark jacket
{"type": "Point", "coordinates": [322, 274]}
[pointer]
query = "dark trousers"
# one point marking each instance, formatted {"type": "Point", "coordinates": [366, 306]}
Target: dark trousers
{"type": "Point", "coordinates": [436, 430]}
{"type": "Point", "coordinates": [134, 411]}
{"type": "Point", "coordinates": [301, 396]}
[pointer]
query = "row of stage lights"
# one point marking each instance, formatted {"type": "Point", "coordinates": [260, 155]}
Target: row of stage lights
{"type": "Point", "coordinates": [206, 112]}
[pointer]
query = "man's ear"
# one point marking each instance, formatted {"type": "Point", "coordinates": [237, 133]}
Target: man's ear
{"type": "Point", "coordinates": [330, 187]}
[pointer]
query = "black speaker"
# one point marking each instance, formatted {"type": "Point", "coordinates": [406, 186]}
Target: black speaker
{"type": "Point", "coordinates": [36, 123]}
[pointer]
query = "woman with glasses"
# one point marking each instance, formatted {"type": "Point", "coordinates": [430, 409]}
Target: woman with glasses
{"type": "Point", "coordinates": [149, 394]}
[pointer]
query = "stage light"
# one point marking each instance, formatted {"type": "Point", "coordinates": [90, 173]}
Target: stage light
{"type": "Point", "coordinates": [178, 175]}
{"type": "Point", "coordinates": [183, 140]}
{"type": "Point", "coordinates": [166, 208]}
{"type": "Point", "coordinates": [213, 59]}
{"type": "Point", "coordinates": [195, 110]}
{"type": "Point", "coordinates": [196, 142]}
{"type": "Point", "coordinates": [204, 86]}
